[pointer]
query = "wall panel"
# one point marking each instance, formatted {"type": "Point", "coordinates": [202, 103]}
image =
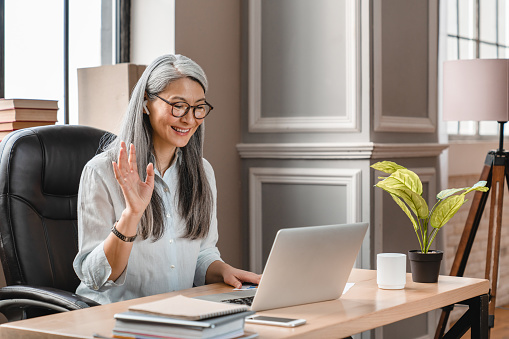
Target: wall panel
{"type": "Point", "coordinates": [296, 197]}
{"type": "Point", "coordinates": [405, 40]}
{"type": "Point", "coordinates": [303, 77]}
{"type": "Point", "coordinates": [329, 88]}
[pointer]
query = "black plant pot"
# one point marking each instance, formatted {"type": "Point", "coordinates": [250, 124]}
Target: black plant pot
{"type": "Point", "coordinates": [425, 266]}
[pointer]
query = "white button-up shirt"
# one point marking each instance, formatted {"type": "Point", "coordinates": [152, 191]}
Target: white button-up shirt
{"type": "Point", "coordinates": [169, 264]}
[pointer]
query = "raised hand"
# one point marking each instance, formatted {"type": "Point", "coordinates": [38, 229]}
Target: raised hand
{"type": "Point", "coordinates": [137, 193]}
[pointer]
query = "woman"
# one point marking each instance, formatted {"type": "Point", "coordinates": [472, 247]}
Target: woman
{"type": "Point", "coordinates": [139, 238]}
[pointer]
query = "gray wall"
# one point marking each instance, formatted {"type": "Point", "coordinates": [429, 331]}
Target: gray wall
{"type": "Point", "coordinates": [308, 95]}
{"type": "Point", "coordinates": [328, 88]}
{"type": "Point", "coordinates": [209, 33]}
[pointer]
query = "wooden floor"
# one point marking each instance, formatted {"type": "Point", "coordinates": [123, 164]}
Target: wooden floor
{"type": "Point", "coordinates": [501, 329]}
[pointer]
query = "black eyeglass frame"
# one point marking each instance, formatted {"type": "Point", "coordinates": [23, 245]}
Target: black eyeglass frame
{"type": "Point", "coordinates": [188, 108]}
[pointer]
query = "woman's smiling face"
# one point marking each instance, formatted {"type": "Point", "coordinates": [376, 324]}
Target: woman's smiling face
{"type": "Point", "coordinates": [170, 132]}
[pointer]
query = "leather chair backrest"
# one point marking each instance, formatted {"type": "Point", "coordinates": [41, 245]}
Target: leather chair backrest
{"type": "Point", "coordinates": [40, 170]}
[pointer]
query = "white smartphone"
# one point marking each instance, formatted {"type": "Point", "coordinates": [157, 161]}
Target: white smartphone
{"type": "Point", "coordinates": [276, 321]}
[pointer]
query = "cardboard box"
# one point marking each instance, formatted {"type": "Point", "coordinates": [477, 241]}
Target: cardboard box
{"type": "Point", "coordinates": [104, 93]}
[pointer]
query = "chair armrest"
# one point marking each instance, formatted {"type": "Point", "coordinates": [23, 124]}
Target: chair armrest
{"type": "Point", "coordinates": [15, 300]}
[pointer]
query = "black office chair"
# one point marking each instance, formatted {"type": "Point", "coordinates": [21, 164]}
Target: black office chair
{"type": "Point", "coordinates": [40, 169]}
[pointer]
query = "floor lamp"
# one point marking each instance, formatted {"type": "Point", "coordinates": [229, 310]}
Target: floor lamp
{"type": "Point", "coordinates": [478, 90]}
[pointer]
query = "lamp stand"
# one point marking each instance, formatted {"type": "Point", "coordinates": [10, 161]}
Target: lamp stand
{"type": "Point", "coordinates": [496, 168]}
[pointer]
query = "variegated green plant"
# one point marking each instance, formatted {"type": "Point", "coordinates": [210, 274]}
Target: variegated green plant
{"type": "Point", "coordinates": [405, 187]}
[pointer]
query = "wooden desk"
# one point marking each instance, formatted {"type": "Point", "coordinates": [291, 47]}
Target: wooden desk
{"type": "Point", "coordinates": [362, 308]}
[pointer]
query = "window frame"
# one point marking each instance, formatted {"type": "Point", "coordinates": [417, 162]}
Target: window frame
{"type": "Point", "coordinates": [122, 44]}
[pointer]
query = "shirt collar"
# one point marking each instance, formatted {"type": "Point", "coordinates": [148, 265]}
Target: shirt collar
{"type": "Point", "coordinates": [177, 158]}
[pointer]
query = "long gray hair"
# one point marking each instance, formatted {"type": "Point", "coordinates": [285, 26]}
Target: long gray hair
{"type": "Point", "coordinates": [194, 193]}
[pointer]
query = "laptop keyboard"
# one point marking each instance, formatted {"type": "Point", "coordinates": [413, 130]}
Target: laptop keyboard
{"type": "Point", "coordinates": [243, 301]}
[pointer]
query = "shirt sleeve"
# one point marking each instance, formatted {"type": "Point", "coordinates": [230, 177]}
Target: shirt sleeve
{"type": "Point", "coordinates": [208, 250]}
{"type": "Point", "coordinates": [96, 215]}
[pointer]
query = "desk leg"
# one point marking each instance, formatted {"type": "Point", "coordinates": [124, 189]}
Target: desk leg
{"type": "Point", "coordinates": [476, 318]}
{"type": "Point", "coordinates": [479, 320]}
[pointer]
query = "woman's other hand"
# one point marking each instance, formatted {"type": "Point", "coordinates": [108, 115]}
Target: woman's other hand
{"type": "Point", "coordinates": [137, 193]}
{"type": "Point", "coordinates": [219, 271]}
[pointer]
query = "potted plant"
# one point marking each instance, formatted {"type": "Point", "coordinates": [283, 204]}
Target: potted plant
{"type": "Point", "coordinates": [405, 187]}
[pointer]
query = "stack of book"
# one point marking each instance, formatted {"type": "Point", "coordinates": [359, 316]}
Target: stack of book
{"type": "Point", "coordinates": [182, 317]}
{"type": "Point", "coordinates": [22, 113]}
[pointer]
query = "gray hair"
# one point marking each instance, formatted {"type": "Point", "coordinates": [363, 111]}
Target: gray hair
{"type": "Point", "coordinates": [194, 193]}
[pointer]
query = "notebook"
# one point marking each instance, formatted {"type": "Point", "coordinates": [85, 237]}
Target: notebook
{"type": "Point", "coordinates": [140, 325]}
{"type": "Point", "coordinates": [181, 317]}
{"type": "Point", "coordinates": [305, 265]}
{"type": "Point", "coordinates": [183, 307]}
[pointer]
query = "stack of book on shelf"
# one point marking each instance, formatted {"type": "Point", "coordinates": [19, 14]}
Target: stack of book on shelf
{"type": "Point", "coordinates": [22, 113]}
{"type": "Point", "coordinates": [182, 317]}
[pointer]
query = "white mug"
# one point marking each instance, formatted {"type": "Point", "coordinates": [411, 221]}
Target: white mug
{"type": "Point", "coordinates": [391, 271]}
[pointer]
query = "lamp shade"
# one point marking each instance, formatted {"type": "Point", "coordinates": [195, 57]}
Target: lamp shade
{"type": "Point", "coordinates": [476, 90]}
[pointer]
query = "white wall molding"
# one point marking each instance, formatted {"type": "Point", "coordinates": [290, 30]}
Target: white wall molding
{"type": "Point", "coordinates": [351, 178]}
{"type": "Point", "coordinates": [415, 150]}
{"type": "Point", "coordinates": [349, 122]}
{"type": "Point", "coordinates": [306, 151]}
{"type": "Point", "coordinates": [383, 121]}
{"type": "Point", "coordinates": [343, 151]}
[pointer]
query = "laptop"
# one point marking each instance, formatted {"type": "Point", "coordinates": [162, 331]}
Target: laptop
{"type": "Point", "coordinates": [305, 265]}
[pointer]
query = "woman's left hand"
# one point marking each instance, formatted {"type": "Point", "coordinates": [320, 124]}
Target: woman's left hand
{"type": "Point", "coordinates": [219, 271]}
{"type": "Point", "coordinates": [236, 277]}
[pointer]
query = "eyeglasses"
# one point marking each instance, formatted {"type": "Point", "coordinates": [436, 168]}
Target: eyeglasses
{"type": "Point", "coordinates": [181, 108]}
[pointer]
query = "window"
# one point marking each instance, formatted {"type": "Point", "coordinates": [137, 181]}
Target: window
{"type": "Point", "coordinates": [35, 47]}
{"type": "Point", "coordinates": [477, 29]}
